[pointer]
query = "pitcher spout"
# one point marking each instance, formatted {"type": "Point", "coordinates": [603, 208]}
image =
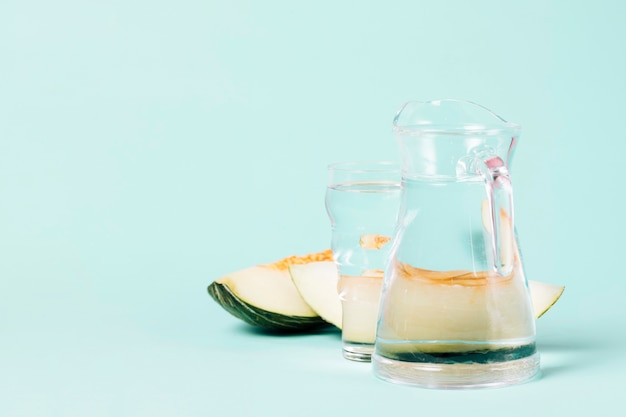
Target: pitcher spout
{"type": "Point", "coordinates": [445, 133]}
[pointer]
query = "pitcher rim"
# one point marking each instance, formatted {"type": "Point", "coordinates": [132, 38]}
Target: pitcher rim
{"type": "Point", "coordinates": [449, 129]}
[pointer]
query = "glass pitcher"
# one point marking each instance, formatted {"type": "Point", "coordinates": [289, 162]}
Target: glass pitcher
{"type": "Point", "coordinates": [455, 309]}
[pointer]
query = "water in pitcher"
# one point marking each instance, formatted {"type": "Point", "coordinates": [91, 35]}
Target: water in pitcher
{"type": "Point", "coordinates": [444, 308]}
{"type": "Point", "coordinates": [455, 309]}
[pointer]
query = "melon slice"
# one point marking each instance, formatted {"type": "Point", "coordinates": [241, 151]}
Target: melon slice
{"type": "Point", "coordinates": [317, 283]}
{"type": "Point", "coordinates": [544, 296]}
{"type": "Point", "coordinates": [265, 296]}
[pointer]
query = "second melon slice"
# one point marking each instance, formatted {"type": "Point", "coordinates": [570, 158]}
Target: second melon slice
{"type": "Point", "coordinates": [317, 284]}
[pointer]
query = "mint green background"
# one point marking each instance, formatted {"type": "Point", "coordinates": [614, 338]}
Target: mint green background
{"type": "Point", "coordinates": [149, 147]}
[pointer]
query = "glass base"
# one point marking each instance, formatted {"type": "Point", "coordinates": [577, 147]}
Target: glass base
{"type": "Point", "coordinates": [459, 375]}
{"type": "Point", "coordinates": [360, 352]}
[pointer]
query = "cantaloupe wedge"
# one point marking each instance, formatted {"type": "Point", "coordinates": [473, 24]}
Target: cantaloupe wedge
{"type": "Point", "coordinates": [317, 284]}
{"type": "Point", "coordinates": [544, 296]}
{"type": "Point", "coordinates": [265, 296]}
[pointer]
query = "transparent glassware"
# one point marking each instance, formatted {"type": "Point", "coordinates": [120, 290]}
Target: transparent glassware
{"type": "Point", "coordinates": [362, 201]}
{"type": "Point", "coordinates": [455, 308]}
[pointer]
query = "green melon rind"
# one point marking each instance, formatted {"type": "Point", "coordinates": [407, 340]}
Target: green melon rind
{"type": "Point", "coordinates": [255, 316]}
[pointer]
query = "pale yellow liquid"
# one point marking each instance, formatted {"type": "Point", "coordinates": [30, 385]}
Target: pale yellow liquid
{"type": "Point", "coordinates": [439, 311]}
{"type": "Point", "coordinates": [360, 299]}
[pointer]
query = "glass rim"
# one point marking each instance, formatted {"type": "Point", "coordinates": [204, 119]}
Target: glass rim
{"type": "Point", "coordinates": [365, 166]}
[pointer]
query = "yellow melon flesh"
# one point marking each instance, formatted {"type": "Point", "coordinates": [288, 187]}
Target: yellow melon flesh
{"type": "Point", "coordinates": [269, 289]}
{"type": "Point", "coordinates": [544, 296]}
{"type": "Point", "coordinates": [317, 283]}
{"type": "Point", "coordinates": [299, 293]}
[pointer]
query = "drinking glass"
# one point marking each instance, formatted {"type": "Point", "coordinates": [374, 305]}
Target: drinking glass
{"type": "Point", "coordinates": [362, 201]}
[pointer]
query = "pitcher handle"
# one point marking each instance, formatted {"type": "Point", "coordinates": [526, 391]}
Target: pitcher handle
{"type": "Point", "coordinates": [498, 214]}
